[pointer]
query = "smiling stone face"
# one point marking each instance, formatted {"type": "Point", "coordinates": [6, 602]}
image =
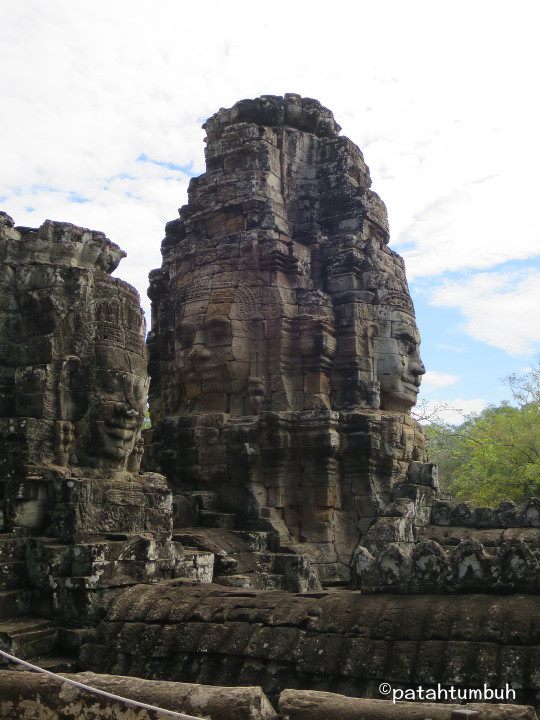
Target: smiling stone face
{"type": "Point", "coordinates": [117, 381]}
{"type": "Point", "coordinates": [214, 349]}
{"type": "Point", "coordinates": [116, 414]}
{"type": "Point", "coordinates": [399, 367]}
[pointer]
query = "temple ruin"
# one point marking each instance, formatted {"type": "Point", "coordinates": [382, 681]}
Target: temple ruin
{"type": "Point", "coordinates": [279, 525]}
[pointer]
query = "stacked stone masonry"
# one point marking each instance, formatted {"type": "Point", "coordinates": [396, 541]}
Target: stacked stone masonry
{"type": "Point", "coordinates": [345, 642]}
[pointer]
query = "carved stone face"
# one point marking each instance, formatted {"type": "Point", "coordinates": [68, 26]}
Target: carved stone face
{"type": "Point", "coordinates": [115, 382]}
{"type": "Point", "coordinates": [116, 414]}
{"type": "Point", "coordinates": [398, 364]}
{"type": "Point", "coordinates": [212, 352]}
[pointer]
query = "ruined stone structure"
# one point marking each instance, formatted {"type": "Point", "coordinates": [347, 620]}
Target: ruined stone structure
{"type": "Point", "coordinates": [284, 350]}
{"type": "Point", "coordinates": [73, 387]}
{"type": "Point", "coordinates": [282, 461]}
{"type": "Point", "coordinates": [79, 521]}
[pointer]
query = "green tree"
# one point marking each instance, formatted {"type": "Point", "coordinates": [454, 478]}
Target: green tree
{"type": "Point", "coordinates": [442, 441]}
{"type": "Point", "coordinates": [496, 454]}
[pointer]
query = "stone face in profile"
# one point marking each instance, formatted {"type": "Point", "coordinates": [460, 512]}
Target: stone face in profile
{"type": "Point", "coordinates": [399, 368]}
{"type": "Point", "coordinates": [283, 329]}
{"type": "Point", "coordinates": [72, 367]}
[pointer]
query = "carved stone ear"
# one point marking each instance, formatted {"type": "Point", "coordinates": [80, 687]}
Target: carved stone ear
{"type": "Point", "coordinates": [134, 460]}
{"type": "Point", "coordinates": [64, 441]}
{"type": "Point", "coordinates": [372, 332]}
{"type": "Point", "coordinates": [257, 328]}
{"type": "Point", "coordinates": [72, 396]}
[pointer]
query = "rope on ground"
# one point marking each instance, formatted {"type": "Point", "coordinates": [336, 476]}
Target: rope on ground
{"type": "Point", "coordinates": [95, 691]}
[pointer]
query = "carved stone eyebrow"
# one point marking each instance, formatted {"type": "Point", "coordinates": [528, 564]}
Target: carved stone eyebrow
{"type": "Point", "coordinates": [218, 322]}
{"type": "Point", "coordinates": [405, 335]}
{"type": "Point", "coordinates": [218, 319]}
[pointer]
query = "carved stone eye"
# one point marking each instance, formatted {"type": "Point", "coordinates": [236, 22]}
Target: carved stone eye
{"type": "Point", "coordinates": [218, 332]}
{"type": "Point", "coordinates": [110, 382]}
{"type": "Point", "coordinates": [408, 344]}
{"type": "Point", "coordinates": [185, 334]}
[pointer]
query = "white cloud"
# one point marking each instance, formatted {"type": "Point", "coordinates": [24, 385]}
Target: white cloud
{"type": "Point", "coordinates": [500, 308]}
{"type": "Point", "coordinates": [434, 380]}
{"type": "Point", "coordinates": [473, 226]}
{"type": "Point", "coordinates": [451, 137]}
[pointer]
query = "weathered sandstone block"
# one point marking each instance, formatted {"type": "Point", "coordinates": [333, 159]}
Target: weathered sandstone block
{"type": "Point", "coordinates": [345, 642]}
{"type": "Point", "coordinates": [22, 693]}
{"type": "Point", "coordinates": [312, 705]}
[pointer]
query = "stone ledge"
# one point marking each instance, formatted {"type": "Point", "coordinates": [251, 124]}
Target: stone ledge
{"type": "Point", "coordinates": [292, 110]}
{"type": "Point", "coordinates": [25, 693]}
{"type": "Point", "coordinates": [313, 705]}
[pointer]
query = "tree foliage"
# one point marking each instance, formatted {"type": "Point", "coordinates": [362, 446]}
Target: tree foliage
{"type": "Point", "coordinates": [496, 454]}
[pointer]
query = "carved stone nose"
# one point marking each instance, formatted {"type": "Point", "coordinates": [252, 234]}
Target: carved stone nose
{"type": "Point", "coordinates": [417, 367]}
{"type": "Point", "coordinates": [199, 352]}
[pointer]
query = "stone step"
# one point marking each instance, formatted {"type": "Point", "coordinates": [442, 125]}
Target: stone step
{"type": "Point", "coordinates": [269, 581]}
{"type": "Point", "coordinates": [235, 581]}
{"type": "Point", "coordinates": [256, 581]}
{"type": "Point", "coordinates": [54, 663]}
{"type": "Point", "coordinates": [205, 500]}
{"type": "Point", "coordinates": [13, 575]}
{"type": "Point", "coordinates": [28, 637]}
{"type": "Point", "coordinates": [195, 565]}
{"type": "Point", "coordinates": [246, 562]}
{"type": "Point", "coordinates": [14, 603]}
{"type": "Point", "coordinates": [255, 539]}
{"type": "Point", "coordinates": [211, 519]}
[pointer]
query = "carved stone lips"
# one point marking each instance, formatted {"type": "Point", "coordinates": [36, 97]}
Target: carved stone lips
{"type": "Point", "coordinates": [207, 372]}
{"type": "Point", "coordinates": [121, 430]}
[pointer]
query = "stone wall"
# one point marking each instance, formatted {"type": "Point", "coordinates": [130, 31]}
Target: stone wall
{"type": "Point", "coordinates": [309, 705]}
{"type": "Point", "coordinates": [466, 515]}
{"type": "Point", "coordinates": [422, 544]}
{"type": "Point", "coordinates": [427, 566]}
{"type": "Point", "coordinates": [341, 641]}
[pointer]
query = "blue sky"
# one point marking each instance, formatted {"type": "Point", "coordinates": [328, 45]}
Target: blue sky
{"type": "Point", "coordinates": [103, 104]}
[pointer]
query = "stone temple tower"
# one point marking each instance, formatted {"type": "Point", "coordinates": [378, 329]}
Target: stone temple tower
{"type": "Point", "coordinates": [73, 388]}
{"type": "Point", "coordinates": [284, 352]}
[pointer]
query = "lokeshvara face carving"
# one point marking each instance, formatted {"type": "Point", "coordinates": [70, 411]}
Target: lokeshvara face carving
{"type": "Point", "coordinates": [78, 355]}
